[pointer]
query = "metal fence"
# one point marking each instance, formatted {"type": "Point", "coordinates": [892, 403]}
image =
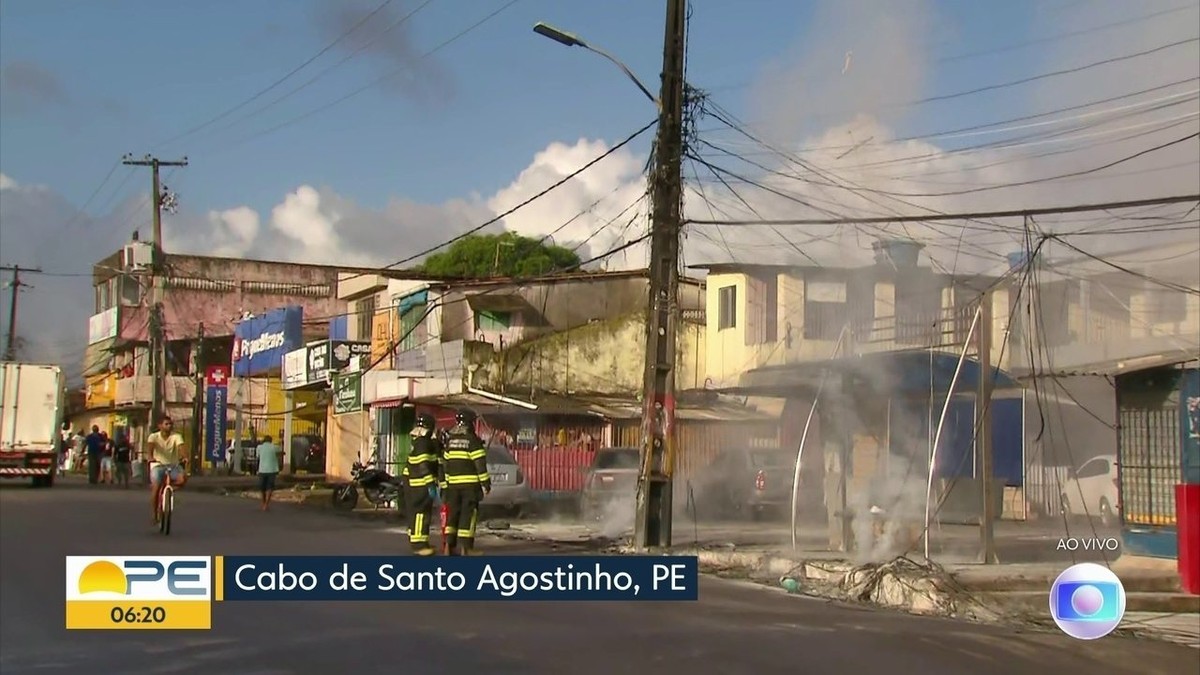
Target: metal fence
{"type": "Point", "coordinates": [1151, 463]}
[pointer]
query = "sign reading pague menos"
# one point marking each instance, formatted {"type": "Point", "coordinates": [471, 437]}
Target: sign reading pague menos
{"type": "Point", "coordinates": [259, 343]}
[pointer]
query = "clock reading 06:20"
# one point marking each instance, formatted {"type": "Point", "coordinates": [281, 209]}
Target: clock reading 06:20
{"type": "Point", "coordinates": [138, 614]}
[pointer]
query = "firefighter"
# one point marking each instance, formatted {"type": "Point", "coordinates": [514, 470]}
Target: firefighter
{"type": "Point", "coordinates": [421, 482]}
{"type": "Point", "coordinates": [466, 482]}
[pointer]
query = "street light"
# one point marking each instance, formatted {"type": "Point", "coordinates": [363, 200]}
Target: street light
{"type": "Point", "coordinates": [570, 40]}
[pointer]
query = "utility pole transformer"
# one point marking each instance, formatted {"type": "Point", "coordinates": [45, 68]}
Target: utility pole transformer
{"type": "Point", "coordinates": [157, 341]}
{"type": "Point", "coordinates": [652, 528]}
{"type": "Point", "coordinates": [10, 345]}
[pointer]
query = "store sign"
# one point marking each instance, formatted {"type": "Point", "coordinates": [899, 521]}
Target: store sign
{"type": "Point", "coordinates": [260, 343]}
{"type": "Point", "coordinates": [103, 326]}
{"type": "Point", "coordinates": [295, 369]}
{"type": "Point", "coordinates": [347, 393]}
{"type": "Point", "coordinates": [332, 356]}
{"type": "Point", "coordinates": [216, 406]}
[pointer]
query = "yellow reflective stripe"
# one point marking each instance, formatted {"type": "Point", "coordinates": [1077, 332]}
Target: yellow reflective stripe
{"type": "Point", "coordinates": [478, 454]}
{"type": "Point", "coordinates": [418, 538]}
{"type": "Point", "coordinates": [483, 477]}
{"type": "Point", "coordinates": [456, 454]}
{"type": "Point", "coordinates": [421, 482]}
{"type": "Point", "coordinates": [470, 533]}
{"type": "Point", "coordinates": [462, 480]}
{"type": "Point", "coordinates": [450, 529]}
{"type": "Point", "coordinates": [421, 459]}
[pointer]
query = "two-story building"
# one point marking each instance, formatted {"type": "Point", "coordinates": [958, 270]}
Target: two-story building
{"type": "Point", "coordinates": [204, 298]}
{"type": "Point", "coordinates": [865, 359]}
{"type": "Point", "coordinates": [554, 366]}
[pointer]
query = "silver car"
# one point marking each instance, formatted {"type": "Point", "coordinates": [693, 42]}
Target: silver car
{"type": "Point", "coordinates": [509, 489]}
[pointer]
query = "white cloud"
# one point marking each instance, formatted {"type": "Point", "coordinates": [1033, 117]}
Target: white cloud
{"type": "Point", "coordinates": [7, 183]}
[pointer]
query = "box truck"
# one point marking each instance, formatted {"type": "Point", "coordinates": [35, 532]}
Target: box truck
{"type": "Point", "coordinates": [31, 414]}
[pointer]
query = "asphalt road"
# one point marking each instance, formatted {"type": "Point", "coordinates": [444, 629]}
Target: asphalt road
{"type": "Point", "coordinates": [734, 628]}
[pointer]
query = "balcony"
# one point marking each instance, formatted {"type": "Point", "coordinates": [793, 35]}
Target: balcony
{"type": "Point", "coordinates": [137, 390]}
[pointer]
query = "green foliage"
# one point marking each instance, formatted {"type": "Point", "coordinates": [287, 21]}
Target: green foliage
{"type": "Point", "coordinates": [506, 255]}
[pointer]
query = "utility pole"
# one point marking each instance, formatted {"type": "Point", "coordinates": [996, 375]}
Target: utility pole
{"type": "Point", "coordinates": [10, 346]}
{"type": "Point", "coordinates": [652, 528]}
{"type": "Point", "coordinates": [198, 421]}
{"type": "Point", "coordinates": [157, 341]}
{"type": "Point", "coordinates": [983, 442]}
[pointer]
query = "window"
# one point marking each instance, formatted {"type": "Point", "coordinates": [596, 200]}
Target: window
{"type": "Point", "coordinates": [364, 316]}
{"type": "Point", "coordinates": [411, 324]}
{"type": "Point", "coordinates": [727, 307]}
{"type": "Point", "coordinates": [762, 310]}
{"type": "Point", "coordinates": [1096, 467]}
{"type": "Point", "coordinates": [131, 291]}
{"type": "Point", "coordinates": [492, 321]}
{"type": "Point", "coordinates": [826, 310]}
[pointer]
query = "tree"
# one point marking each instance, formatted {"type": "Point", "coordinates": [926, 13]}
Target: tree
{"type": "Point", "coordinates": [507, 255]}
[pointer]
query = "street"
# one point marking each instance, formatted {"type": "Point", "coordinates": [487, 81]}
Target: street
{"type": "Point", "coordinates": [734, 628]}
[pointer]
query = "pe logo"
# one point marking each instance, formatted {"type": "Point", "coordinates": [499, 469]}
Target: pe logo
{"type": "Point", "coordinates": [1087, 601]}
{"type": "Point", "coordinates": [139, 592]}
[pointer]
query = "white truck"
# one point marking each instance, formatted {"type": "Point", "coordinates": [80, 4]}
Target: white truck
{"type": "Point", "coordinates": [31, 414]}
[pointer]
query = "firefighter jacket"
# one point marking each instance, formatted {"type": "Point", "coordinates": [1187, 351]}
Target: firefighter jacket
{"type": "Point", "coordinates": [424, 462]}
{"type": "Point", "coordinates": [465, 460]}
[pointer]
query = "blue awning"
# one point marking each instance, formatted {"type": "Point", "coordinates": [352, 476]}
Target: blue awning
{"type": "Point", "coordinates": [899, 373]}
{"type": "Point", "coordinates": [413, 300]}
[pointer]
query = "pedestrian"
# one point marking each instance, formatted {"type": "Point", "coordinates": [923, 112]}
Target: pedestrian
{"type": "Point", "coordinates": [64, 448]}
{"type": "Point", "coordinates": [466, 483]}
{"type": "Point", "coordinates": [95, 448]}
{"type": "Point", "coordinates": [122, 458]}
{"type": "Point", "coordinates": [106, 458]}
{"type": "Point", "coordinates": [420, 484]}
{"type": "Point", "coordinates": [270, 458]}
{"type": "Point", "coordinates": [78, 451]}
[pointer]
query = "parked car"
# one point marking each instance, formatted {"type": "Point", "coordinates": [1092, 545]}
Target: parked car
{"type": "Point", "coordinates": [509, 489]}
{"type": "Point", "coordinates": [741, 482]}
{"type": "Point", "coordinates": [1093, 490]}
{"type": "Point", "coordinates": [308, 453]}
{"type": "Point", "coordinates": [612, 476]}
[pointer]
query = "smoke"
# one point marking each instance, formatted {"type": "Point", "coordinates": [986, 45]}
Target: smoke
{"type": "Point", "coordinates": [387, 38]}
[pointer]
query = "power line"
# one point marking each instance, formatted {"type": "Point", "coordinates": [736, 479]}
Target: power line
{"type": "Point", "coordinates": [281, 80]}
{"type": "Point", "coordinates": [374, 82]}
{"type": "Point", "coordinates": [978, 215]}
{"type": "Point", "coordinates": [509, 212]}
{"type": "Point", "coordinates": [361, 48]}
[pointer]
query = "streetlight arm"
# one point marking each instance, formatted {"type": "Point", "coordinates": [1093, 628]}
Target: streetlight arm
{"type": "Point", "coordinates": [625, 69]}
{"type": "Point", "coordinates": [571, 40]}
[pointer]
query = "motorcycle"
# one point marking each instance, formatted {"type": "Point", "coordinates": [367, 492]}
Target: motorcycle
{"type": "Point", "coordinates": [378, 486]}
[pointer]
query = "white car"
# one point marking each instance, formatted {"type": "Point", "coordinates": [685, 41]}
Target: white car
{"type": "Point", "coordinates": [1093, 490]}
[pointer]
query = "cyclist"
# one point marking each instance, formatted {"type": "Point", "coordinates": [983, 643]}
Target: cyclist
{"type": "Point", "coordinates": [164, 449]}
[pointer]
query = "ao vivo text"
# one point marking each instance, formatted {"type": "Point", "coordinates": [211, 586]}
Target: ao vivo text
{"type": "Point", "coordinates": [1088, 544]}
{"type": "Point", "coordinates": [537, 578]}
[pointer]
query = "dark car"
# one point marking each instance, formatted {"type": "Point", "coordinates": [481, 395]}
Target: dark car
{"type": "Point", "coordinates": [746, 482]}
{"type": "Point", "coordinates": [612, 476]}
{"type": "Point", "coordinates": [308, 454]}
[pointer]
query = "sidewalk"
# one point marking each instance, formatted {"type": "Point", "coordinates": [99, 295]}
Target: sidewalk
{"type": "Point", "coordinates": [952, 585]}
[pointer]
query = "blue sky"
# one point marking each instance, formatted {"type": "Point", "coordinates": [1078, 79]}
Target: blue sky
{"type": "Point", "coordinates": [450, 139]}
{"type": "Point", "coordinates": [137, 72]}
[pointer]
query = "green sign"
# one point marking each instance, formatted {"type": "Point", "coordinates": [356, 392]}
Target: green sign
{"type": "Point", "coordinates": [347, 393]}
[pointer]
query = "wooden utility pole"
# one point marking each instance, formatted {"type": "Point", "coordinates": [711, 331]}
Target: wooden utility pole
{"type": "Point", "coordinates": [10, 346]}
{"type": "Point", "coordinates": [198, 421]}
{"type": "Point", "coordinates": [983, 442]}
{"type": "Point", "coordinates": [157, 341]}
{"type": "Point", "coordinates": [652, 527]}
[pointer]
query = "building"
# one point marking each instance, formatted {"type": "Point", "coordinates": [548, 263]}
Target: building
{"type": "Point", "coordinates": [550, 364]}
{"type": "Point", "coordinates": [204, 298]}
{"type": "Point", "coordinates": [1158, 449]}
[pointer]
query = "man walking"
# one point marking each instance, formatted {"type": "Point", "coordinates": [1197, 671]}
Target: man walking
{"type": "Point", "coordinates": [122, 458]}
{"type": "Point", "coordinates": [270, 458]}
{"type": "Point", "coordinates": [467, 482]}
{"type": "Point", "coordinates": [420, 483]}
{"type": "Point", "coordinates": [95, 448]}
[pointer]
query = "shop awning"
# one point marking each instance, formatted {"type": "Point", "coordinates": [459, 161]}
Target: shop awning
{"type": "Point", "coordinates": [413, 300]}
{"type": "Point", "coordinates": [897, 373]}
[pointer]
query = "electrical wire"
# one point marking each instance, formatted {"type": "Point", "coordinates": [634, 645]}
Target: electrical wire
{"type": "Point", "coordinates": [276, 83]}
